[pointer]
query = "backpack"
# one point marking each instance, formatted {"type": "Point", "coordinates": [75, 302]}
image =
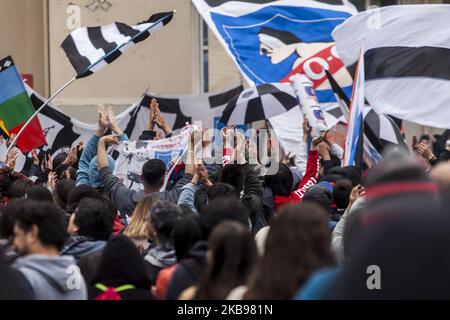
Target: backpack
{"type": "Point", "coordinates": [110, 294]}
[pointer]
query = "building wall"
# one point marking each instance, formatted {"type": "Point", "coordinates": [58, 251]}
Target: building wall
{"type": "Point", "coordinates": [168, 62]}
{"type": "Point", "coordinates": [23, 37]}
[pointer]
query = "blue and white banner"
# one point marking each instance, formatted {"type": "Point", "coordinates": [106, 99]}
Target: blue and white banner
{"type": "Point", "coordinates": [270, 41]}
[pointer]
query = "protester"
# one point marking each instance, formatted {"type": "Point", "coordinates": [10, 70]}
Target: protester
{"type": "Point", "coordinates": [14, 284]}
{"type": "Point", "coordinates": [90, 227]}
{"type": "Point", "coordinates": [232, 256]}
{"type": "Point", "coordinates": [121, 273]}
{"type": "Point", "coordinates": [138, 230]}
{"type": "Point", "coordinates": [161, 221]}
{"type": "Point", "coordinates": [298, 244]}
{"type": "Point", "coordinates": [191, 267]}
{"type": "Point", "coordinates": [39, 235]}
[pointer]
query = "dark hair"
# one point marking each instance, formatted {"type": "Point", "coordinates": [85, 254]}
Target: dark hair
{"type": "Point", "coordinates": [47, 217]}
{"type": "Point", "coordinates": [354, 175]}
{"type": "Point", "coordinates": [319, 195]}
{"type": "Point", "coordinates": [39, 194]}
{"type": "Point", "coordinates": [94, 219]}
{"type": "Point", "coordinates": [339, 171]}
{"type": "Point", "coordinates": [220, 210]}
{"type": "Point", "coordinates": [335, 161]}
{"type": "Point", "coordinates": [298, 244]}
{"type": "Point", "coordinates": [220, 190]}
{"type": "Point", "coordinates": [234, 175]}
{"type": "Point", "coordinates": [233, 256]}
{"type": "Point", "coordinates": [79, 193]}
{"type": "Point", "coordinates": [153, 172]}
{"type": "Point", "coordinates": [186, 232]}
{"type": "Point", "coordinates": [7, 217]}
{"type": "Point", "coordinates": [62, 191]}
{"type": "Point", "coordinates": [341, 193]}
{"type": "Point", "coordinates": [164, 215]}
{"type": "Point", "coordinates": [281, 183]}
{"type": "Point", "coordinates": [59, 159]}
{"type": "Point", "coordinates": [121, 264]}
{"type": "Point", "coordinates": [18, 189]}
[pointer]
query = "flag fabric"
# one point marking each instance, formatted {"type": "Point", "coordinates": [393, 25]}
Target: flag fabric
{"type": "Point", "coordinates": [16, 108]}
{"type": "Point", "coordinates": [92, 48]}
{"type": "Point", "coordinates": [260, 103]}
{"type": "Point", "coordinates": [356, 119]}
{"type": "Point", "coordinates": [3, 131]}
{"type": "Point", "coordinates": [134, 154]}
{"type": "Point", "coordinates": [407, 54]}
{"type": "Point", "coordinates": [271, 40]}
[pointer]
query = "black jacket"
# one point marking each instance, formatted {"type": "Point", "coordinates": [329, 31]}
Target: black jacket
{"type": "Point", "coordinates": [188, 271]}
{"type": "Point", "coordinates": [13, 284]}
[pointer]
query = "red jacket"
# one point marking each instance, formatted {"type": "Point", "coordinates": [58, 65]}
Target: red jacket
{"type": "Point", "coordinates": [309, 179]}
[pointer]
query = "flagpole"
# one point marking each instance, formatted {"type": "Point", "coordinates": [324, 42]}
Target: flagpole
{"type": "Point", "coordinates": [37, 112]}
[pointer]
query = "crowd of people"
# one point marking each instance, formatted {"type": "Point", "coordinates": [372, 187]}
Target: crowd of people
{"type": "Point", "coordinates": [71, 230]}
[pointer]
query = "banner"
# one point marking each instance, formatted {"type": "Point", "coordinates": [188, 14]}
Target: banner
{"type": "Point", "coordinates": [134, 154]}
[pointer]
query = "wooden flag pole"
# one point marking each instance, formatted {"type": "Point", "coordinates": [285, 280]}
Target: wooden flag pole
{"type": "Point", "coordinates": [36, 113]}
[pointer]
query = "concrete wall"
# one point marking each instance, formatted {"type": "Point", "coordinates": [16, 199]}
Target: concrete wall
{"type": "Point", "coordinates": [23, 37]}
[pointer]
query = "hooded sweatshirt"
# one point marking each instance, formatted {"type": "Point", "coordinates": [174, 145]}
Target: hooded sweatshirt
{"type": "Point", "coordinates": [53, 278]}
{"type": "Point", "coordinates": [78, 246]}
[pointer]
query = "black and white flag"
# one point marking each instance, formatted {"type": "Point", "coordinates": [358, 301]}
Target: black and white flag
{"type": "Point", "coordinates": [260, 103]}
{"type": "Point", "coordinates": [90, 49]}
{"type": "Point", "coordinates": [407, 60]}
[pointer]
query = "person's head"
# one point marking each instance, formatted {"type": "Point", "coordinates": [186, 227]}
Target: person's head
{"type": "Point", "coordinates": [39, 228]}
{"type": "Point", "coordinates": [80, 193]}
{"type": "Point", "coordinates": [298, 244]}
{"type": "Point", "coordinates": [186, 232]}
{"type": "Point", "coordinates": [281, 183]}
{"type": "Point", "coordinates": [319, 195]}
{"type": "Point", "coordinates": [341, 193]}
{"type": "Point", "coordinates": [425, 139]}
{"type": "Point", "coordinates": [7, 218]}
{"type": "Point", "coordinates": [92, 218]}
{"type": "Point", "coordinates": [234, 175]}
{"type": "Point", "coordinates": [59, 159]}
{"type": "Point", "coordinates": [138, 228]}
{"type": "Point", "coordinates": [221, 210]}
{"type": "Point", "coordinates": [153, 173]}
{"type": "Point", "coordinates": [399, 250]}
{"type": "Point", "coordinates": [163, 216]}
{"type": "Point", "coordinates": [336, 163]}
{"type": "Point", "coordinates": [39, 194]}
{"type": "Point", "coordinates": [62, 191]}
{"type": "Point", "coordinates": [65, 171]}
{"type": "Point", "coordinates": [231, 257]}
{"type": "Point", "coordinates": [220, 190]}
{"type": "Point", "coordinates": [399, 184]}
{"type": "Point", "coordinates": [354, 175]}
{"type": "Point", "coordinates": [121, 264]}
{"type": "Point", "coordinates": [18, 189]}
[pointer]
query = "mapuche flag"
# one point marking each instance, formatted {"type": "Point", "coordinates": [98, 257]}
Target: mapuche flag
{"type": "Point", "coordinates": [16, 108]}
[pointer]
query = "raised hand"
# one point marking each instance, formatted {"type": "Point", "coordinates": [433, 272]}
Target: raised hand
{"type": "Point", "coordinates": [112, 121]}
{"type": "Point", "coordinates": [102, 121]}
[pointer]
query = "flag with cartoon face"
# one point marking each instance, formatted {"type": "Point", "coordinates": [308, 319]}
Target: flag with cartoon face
{"type": "Point", "coordinates": [270, 41]}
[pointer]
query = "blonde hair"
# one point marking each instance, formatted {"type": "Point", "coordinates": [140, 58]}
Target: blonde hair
{"type": "Point", "coordinates": [138, 226]}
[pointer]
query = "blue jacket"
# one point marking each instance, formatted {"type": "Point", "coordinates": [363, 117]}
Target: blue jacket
{"type": "Point", "coordinates": [87, 173]}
